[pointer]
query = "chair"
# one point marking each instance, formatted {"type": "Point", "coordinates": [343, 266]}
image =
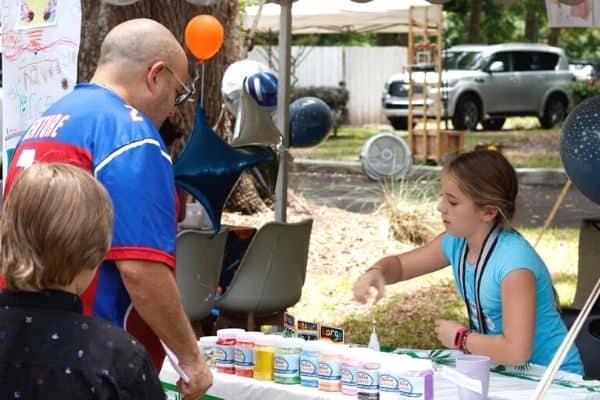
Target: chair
{"type": "Point", "coordinates": [199, 257]}
{"type": "Point", "coordinates": [587, 268]}
{"type": "Point", "coordinates": [271, 273]}
{"type": "Point", "coordinates": [587, 341]}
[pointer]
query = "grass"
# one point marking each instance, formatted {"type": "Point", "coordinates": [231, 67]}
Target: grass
{"type": "Point", "coordinates": [523, 142]}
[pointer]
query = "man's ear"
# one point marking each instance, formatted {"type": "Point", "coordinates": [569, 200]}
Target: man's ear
{"type": "Point", "coordinates": [152, 74]}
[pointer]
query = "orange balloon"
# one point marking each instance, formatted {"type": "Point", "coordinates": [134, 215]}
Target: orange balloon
{"type": "Point", "coordinates": [204, 36]}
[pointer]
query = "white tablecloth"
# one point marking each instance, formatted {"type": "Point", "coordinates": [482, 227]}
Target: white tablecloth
{"type": "Point", "coordinates": [502, 386]}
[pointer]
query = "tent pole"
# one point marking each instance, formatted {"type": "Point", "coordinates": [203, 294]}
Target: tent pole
{"type": "Point", "coordinates": [283, 109]}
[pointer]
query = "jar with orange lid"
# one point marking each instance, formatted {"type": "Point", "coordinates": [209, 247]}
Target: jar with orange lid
{"type": "Point", "coordinates": [330, 359]}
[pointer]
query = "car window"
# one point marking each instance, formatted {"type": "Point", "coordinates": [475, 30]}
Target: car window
{"type": "Point", "coordinates": [462, 60]}
{"type": "Point", "coordinates": [503, 56]}
{"type": "Point", "coordinates": [534, 61]}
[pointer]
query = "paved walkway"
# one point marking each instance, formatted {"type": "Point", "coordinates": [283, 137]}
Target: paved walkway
{"type": "Point", "coordinates": [347, 188]}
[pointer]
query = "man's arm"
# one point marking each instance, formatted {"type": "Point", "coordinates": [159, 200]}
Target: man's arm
{"type": "Point", "coordinates": [154, 294]}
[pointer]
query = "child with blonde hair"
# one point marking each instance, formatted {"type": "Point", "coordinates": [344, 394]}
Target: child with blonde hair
{"type": "Point", "coordinates": [55, 229]}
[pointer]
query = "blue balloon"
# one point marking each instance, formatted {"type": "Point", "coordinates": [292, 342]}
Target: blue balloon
{"type": "Point", "coordinates": [208, 167]}
{"type": "Point", "coordinates": [580, 147]}
{"type": "Point", "coordinates": [262, 87]}
{"type": "Point", "coordinates": [310, 122]}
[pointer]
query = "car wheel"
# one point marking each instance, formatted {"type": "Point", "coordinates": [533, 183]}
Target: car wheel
{"type": "Point", "coordinates": [466, 115]}
{"type": "Point", "coordinates": [554, 113]}
{"type": "Point", "coordinates": [399, 123]}
{"type": "Point", "coordinates": [493, 124]}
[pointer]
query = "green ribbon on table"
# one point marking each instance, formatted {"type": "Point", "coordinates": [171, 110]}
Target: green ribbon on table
{"type": "Point", "coordinates": [446, 357]}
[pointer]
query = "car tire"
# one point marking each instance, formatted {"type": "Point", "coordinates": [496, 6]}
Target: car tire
{"type": "Point", "coordinates": [555, 112]}
{"type": "Point", "coordinates": [399, 123]}
{"type": "Point", "coordinates": [495, 124]}
{"type": "Point", "coordinates": [466, 114]}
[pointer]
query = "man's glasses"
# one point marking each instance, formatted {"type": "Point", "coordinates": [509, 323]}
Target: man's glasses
{"type": "Point", "coordinates": [188, 91]}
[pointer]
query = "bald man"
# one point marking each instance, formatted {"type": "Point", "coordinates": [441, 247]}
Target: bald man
{"type": "Point", "coordinates": [109, 127]}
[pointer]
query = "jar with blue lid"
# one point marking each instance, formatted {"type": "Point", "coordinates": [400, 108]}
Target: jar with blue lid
{"type": "Point", "coordinates": [309, 363]}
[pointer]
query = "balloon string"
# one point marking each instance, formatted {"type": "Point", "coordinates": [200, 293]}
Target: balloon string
{"type": "Point", "coordinates": [202, 87]}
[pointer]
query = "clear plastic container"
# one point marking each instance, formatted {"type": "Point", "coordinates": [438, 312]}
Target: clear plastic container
{"type": "Point", "coordinates": [330, 367]}
{"type": "Point", "coordinates": [404, 377]}
{"type": "Point", "coordinates": [264, 352]}
{"type": "Point", "coordinates": [206, 345]}
{"type": "Point", "coordinates": [367, 374]}
{"type": "Point", "coordinates": [309, 363]}
{"type": "Point", "coordinates": [243, 354]}
{"type": "Point", "coordinates": [286, 364]}
{"type": "Point", "coordinates": [350, 363]}
{"type": "Point", "coordinates": [224, 350]}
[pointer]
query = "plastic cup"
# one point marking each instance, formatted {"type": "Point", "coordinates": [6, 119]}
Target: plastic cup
{"type": "Point", "coordinates": [475, 367]}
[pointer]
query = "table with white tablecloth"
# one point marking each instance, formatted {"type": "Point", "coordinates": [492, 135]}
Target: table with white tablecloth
{"type": "Point", "coordinates": [505, 384]}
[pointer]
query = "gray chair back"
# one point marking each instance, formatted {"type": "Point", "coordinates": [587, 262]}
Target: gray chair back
{"type": "Point", "coordinates": [272, 271]}
{"type": "Point", "coordinates": [587, 340]}
{"type": "Point", "coordinates": [199, 256]}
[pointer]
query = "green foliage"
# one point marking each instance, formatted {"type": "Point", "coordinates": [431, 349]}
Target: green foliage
{"type": "Point", "coordinates": [499, 23]}
{"type": "Point", "coordinates": [327, 39]}
{"type": "Point", "coordinates": [580, 43]}
{"type": "Point", "coordinates": [584, 90]}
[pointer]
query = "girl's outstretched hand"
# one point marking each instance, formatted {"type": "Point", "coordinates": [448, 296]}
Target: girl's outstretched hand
{"type": "Point", "coordinates": [372, 278]}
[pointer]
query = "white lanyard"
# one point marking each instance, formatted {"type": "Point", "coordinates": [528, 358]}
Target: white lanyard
{"type": "Point", "coordinates": [486, 251]}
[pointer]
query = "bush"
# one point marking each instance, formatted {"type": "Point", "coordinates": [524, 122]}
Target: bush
{"type": "Point", "coordinates": [336, 97]}
{"type": "Point", "coordinates": [584, 90]}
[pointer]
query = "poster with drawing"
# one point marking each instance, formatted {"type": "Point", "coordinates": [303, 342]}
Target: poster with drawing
{"type": "Point", "coordinates": [36, 13]}
{"type": "Point", "coordinates": [563, 15]}
{"type": "Point", "coordinates": [39, 53]}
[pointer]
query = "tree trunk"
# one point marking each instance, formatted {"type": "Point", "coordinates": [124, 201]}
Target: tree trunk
{"type": "Point", "coordinates": [99, 18]}
{"type": "Point", "coordinates": [553, 37]}
{"type": "Point", "coordinates": [475, 22]}
{"type": "Point", "coordinates": [531, 25]}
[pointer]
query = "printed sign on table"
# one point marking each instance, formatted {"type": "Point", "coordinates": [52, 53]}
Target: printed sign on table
{"type": "Point", "coordinates": [331, 334]}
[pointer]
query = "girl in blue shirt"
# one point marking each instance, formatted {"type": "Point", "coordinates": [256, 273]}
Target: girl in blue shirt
{"type": "Point", "coordinates": [513, 315]}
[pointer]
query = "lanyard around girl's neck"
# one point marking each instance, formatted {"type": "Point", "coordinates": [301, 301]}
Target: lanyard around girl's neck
{"type": "Point", "coordinates": [486, 251]}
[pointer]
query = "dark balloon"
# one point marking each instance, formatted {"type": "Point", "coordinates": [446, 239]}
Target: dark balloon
{"type": "Point", "coordinates": [580, 148]}
{"type": "Point", "coordinates": [208, 168]}
{"type": "Point", "coordinates": [310, 122]}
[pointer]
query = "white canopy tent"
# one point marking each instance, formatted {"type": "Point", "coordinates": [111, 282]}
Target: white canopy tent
{"type": "Point", "coordinates": [331, 16]}
{"type": "Point", "coordinates": [323, 16]}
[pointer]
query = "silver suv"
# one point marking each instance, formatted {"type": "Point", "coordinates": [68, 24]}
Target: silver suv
{"type": "Point", "coordinates": [487, 83]}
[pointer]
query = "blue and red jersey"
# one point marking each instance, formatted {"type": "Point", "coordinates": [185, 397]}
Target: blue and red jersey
{"type": "Point", "coordinates": [93, 128]}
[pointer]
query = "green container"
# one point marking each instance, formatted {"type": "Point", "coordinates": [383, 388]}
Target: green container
{"type": "Point", "coordinates": [286, 364]}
